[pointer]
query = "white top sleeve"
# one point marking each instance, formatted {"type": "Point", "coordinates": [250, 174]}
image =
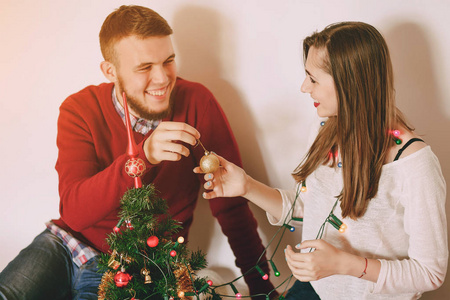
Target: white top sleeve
{"type": "Point", "coordinates": [292, 207]}
{"type": "Point", "coordinates": [423, 199]}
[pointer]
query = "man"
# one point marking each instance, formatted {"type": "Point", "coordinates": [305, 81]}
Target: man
{"type": "Point", "coordinates": [169, 115]}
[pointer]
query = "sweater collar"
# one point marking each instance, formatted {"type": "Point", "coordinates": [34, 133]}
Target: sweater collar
{"type": "Point", "coordinates": [140, 125]}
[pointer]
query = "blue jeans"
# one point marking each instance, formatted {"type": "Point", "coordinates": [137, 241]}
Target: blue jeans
{"type": "Point", "coordinates": [301, 290]}
{"type": "Point", "coordinates": [45, 270]}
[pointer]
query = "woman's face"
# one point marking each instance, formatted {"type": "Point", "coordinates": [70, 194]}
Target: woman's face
{"type": "Point", "coordinates": [319, 84]}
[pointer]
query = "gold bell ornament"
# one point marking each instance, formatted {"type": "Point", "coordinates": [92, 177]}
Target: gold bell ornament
{"type": "Point", "coordinates": [146, 274]}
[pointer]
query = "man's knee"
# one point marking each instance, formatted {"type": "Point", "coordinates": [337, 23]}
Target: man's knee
{"type": "Point", "coordinates": [40, 270]}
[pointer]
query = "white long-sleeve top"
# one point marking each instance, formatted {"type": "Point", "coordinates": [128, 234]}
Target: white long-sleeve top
{"type": "Point", "coordinates": [404, 227]}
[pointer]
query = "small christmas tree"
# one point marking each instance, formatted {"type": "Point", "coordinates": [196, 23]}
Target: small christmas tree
{"type": "Point", "coordinates": [145, 263]}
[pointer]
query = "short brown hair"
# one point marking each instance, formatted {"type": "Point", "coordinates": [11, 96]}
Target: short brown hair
{"type": "Point", "coordinates": [130, 20]}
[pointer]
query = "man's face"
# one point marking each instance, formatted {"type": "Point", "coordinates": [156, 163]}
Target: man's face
{"type": "Point", "coordinates": [146, 72]}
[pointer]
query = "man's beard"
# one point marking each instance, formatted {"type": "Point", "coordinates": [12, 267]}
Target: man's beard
{"type": "Point", "coordinates": [141, 110]}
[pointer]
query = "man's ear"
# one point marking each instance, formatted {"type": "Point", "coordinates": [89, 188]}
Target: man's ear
{"type": "Point", "coordinates": [109, 70]}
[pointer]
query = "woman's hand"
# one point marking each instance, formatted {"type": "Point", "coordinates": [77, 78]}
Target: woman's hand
{"type": "Point", "coordinates": [327, 260]}
{"type": "Point", "coordinates": [324, 261]}
{"type": "Point", "coordinates": [228, 181]}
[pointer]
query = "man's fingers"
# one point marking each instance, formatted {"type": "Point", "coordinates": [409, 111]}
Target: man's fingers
{"type": "Point", "coordinates": [181, 127]}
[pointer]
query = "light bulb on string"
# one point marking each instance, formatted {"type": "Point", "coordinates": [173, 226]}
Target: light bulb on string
{"type": "Point", "coordinates": [179, 241]}
{"type": "Point", "coordinates": [338, 224]}
{"type": "Point", "coordinates": [117, 227]}
{"type": "Point", "coordinates": [203, 288]}
{"type": "Point", "coordinates": [291, 228]}
{"type": "Point", "coordinates": [396, 136]}
{"type": "Point", "coordinates": [236, 292]}
{"type": "Point", "coordinates": [261, 272]}
{"type": "Point", "coordinates": [274, 268]}
{"type": "Point", "coordinates": [303, 188]}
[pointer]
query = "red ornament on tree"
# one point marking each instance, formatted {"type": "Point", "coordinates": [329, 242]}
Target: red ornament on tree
{"type": "Point", "coordinates": [121, 279]}
{"type": "Point", "coordinates": [173, 253]}
{"type": "Point", "coordinates": [152, 241]}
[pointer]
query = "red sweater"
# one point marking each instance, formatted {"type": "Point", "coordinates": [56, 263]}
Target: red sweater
{"type": "Point", "coordinates": [92, 141]}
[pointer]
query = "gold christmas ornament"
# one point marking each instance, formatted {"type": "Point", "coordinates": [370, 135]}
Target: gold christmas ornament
{"type": "Point", "coordinates": [128, 259]}
{"type": "Point", "coordinates": [209, 163]}
{"type": "Point", "coordinates": [146, 274]}
{"type": "Point", "coordinates": [113, 263]}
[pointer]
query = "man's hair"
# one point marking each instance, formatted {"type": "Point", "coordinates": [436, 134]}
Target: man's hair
{"type": "Point", "coordinates": [130, 20]}
{"type": "Point", "coordinates": [357, 57]}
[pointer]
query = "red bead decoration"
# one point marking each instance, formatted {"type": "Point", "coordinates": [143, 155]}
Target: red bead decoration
{"type": "Point", "coordinates": [135, 167]}
{"type": "Point", "coordinates": [152, 241]}
{"type": "Point", "coordinates": [116, 229]}
{"type": "Point", "coordinates": [173, 253]}
{"type": "Point", "coordinates": [129, 225]}
{"type": "Point", "coordinates": [209, 282]}
{"type": "Point", "coordinates": [121, 279]}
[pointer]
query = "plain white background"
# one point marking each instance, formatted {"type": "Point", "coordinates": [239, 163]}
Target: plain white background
{"type": "Point", "coordinates": [248, 53]}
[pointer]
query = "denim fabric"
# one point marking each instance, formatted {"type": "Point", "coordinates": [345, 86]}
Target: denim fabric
{"type": "Point", "coordinates": [301, 291]}
{"type": "Point", "coordinates": [45, 270]}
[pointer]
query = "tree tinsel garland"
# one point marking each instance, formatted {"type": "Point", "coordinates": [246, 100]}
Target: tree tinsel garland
{"type": "Point", "coordinates": [183, 275]}
{"type": "Point", "coordinates": [107, 280]}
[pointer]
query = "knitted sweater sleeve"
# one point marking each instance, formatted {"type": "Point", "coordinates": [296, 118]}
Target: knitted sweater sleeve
{"type": "Point", "coordinates": [424, 193]}
{"type": "Point", "coordinates": [292, 207]}
{"type": "Point", "coordinates": [90, 186]}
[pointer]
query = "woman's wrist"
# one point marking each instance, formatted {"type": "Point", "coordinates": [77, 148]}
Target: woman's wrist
{"type": "Point", "coordinates": [352, 265]}
{"type": "Point", "coordinates": [248, 182]}
{"type": "Point", "coordinates": [360, 267]}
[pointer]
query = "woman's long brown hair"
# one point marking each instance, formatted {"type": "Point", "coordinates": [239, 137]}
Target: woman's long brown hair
{"type": "Point", "coordinates": [358, 59]}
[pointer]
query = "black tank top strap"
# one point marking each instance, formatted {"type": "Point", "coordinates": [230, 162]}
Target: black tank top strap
{"type": "Point", "coordinates": [406, 146]}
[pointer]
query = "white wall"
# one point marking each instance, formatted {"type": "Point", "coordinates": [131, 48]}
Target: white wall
{"type": "Point", "coordinates": [247, 52]}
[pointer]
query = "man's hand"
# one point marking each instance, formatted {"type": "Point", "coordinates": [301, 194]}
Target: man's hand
{"type": "Point", "coordinates": [165, 142]}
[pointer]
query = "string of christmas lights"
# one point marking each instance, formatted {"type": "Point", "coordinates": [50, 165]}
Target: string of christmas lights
{"type": "Point", "coordinates": [135, 168]}
{"type": "Point", "coordinates": [331, 219]}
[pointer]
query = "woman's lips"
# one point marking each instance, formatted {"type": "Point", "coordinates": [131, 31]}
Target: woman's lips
{"type": "Point", "coordinates": [316, 104]}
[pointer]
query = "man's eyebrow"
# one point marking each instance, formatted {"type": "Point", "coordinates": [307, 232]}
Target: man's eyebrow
{"type": "Point", "coordinates": [149, 64]}
{"type": "Point", "coordinates": [171, 57]}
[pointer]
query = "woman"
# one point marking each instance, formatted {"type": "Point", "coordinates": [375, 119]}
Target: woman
{"type": "Point", "coordinates": [366, 169]}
